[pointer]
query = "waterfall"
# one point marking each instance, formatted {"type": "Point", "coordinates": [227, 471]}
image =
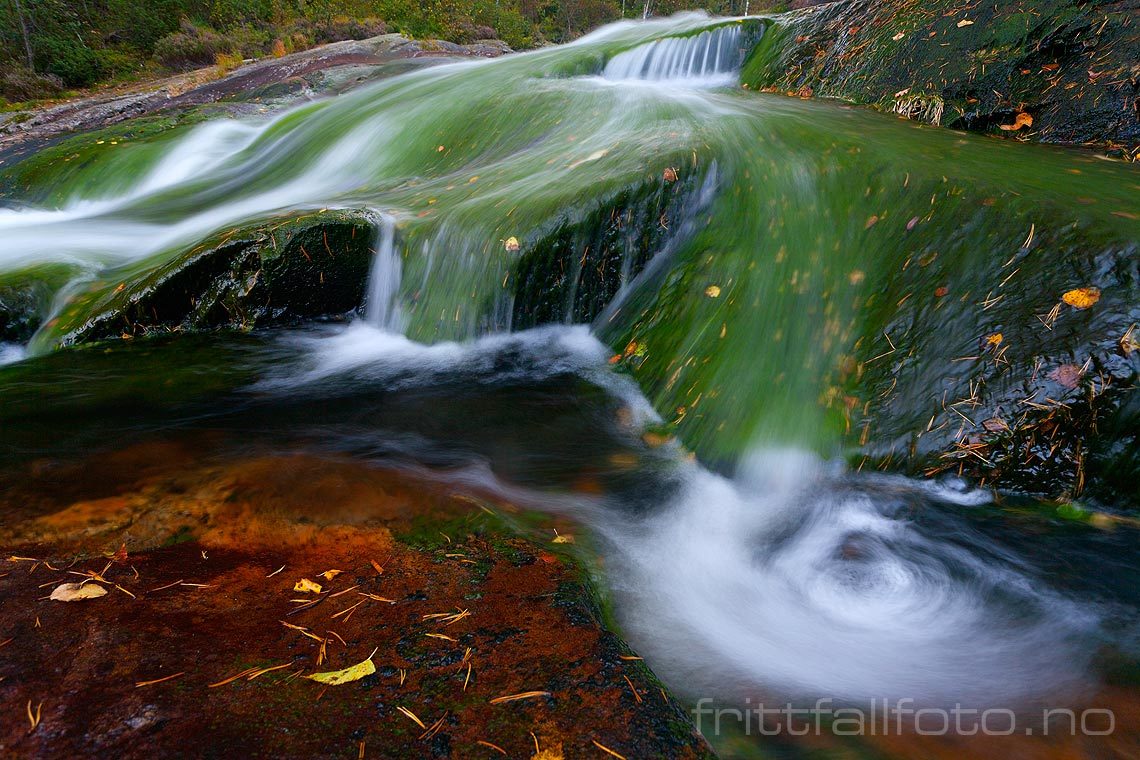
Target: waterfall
{"type": "Point", "coordinates": [382, 311]}
{"type": "Point", "coordinates": [710, 58]}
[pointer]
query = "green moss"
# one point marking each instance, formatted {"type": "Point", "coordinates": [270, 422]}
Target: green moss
{"type": "Point", "coordinates": [184, 535]}
{"type": "Point", "coordinates": [96, 163]}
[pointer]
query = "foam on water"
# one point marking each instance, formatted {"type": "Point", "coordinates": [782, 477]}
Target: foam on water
{"type": "Point", "coordinates": [11, 352]}
{"type": "Point", "coordinates": [793, 577]}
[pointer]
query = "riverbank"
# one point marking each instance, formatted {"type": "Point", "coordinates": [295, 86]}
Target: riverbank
{"type": "Point", "coordinates": [251, 89]}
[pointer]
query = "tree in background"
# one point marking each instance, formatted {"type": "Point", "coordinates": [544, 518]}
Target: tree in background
{"type": "Point", "coordinates": [23, 22]}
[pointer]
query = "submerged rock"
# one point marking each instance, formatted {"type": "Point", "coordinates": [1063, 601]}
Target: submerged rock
{"type": "Point", "coordinates": [488, 634]}
{"type": "Point", "coordinates": [298, 267]}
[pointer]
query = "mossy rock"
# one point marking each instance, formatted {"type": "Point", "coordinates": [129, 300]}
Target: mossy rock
{"type": "Point", "coordinates": [572, 273]}
{"type": "Point", "coordinates": [1071, 66]}
{"type": "Point", "coordinates": [275, 272]}
{"type": "Point", "coordinates": [52, 171]}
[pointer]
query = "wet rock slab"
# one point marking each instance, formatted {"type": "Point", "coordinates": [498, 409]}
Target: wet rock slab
{"type": "Point", "coordinates": [1071, 67]}
{"type": "Point", "coordinates": [460, 613]}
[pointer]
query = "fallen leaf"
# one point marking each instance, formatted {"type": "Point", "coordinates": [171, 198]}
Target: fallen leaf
{"type": "Point", "coordinates": [965, 22]}
{"type": "Point", "coordinates": [1081, 298]}
{"type": "Point", "coordinates": [898, 36]}
{"type": "Point", "coordinates": [670, 174]}
{"type": "Point", "coordinates": [77, 592]}
{"type": "Point", "coordinates": [713, 291]}
{"type": "Point", "coordinates": [376, 566]}
{"type": "Point", "coordinates": [563, 538]}
{"type": "Point", "coordinates": [994, 340]}
{"type": "Point", "coordinates": [871, 222]}
{"type": "Point", "coordinates": [995, 425]}
{"type": "Point", "coordinates": [911, 224]}
{"type": "Point", "coordinates": [328, 575]}
{"type": "Point", "coordinates": [511, 244]}
{"type": "Point", "coordinates": [941, 292]}
{"type": "Point", "coordinates": [306, 586]}
{"type": "Point", "coordinates": [1067, 375]}
{"type": "Point", "coordinates": [1021, 120]}
{"type": "Point", "coordinates": [857, 276]}
{"type": "Point", "coordinates": [348, 675]}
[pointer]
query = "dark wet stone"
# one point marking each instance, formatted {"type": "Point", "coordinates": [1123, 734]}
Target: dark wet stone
{"type": "Point", "coordinates": [280, 272]}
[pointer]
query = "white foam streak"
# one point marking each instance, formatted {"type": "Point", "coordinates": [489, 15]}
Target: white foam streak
{"type": "Point", "coordinates": [10, 353]}
{"type": "Point", "coordinates": [384, 280]}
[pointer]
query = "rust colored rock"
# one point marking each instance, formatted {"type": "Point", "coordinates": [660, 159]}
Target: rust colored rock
{"type": "Point", "coordinates": [465, 612]}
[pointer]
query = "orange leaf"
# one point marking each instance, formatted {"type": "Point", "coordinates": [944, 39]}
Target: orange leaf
{"type": "Point", "coordinates": [1021, 120]}
{"type": "Point", "coordinates": [1081, 298]}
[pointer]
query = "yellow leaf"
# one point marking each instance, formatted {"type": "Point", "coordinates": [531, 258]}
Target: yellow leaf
{"type": "Point", "coordinates": [511, 244]}
{"type": "Point", "coordinates": [77, 592]}
{"type": "Point", "coordinates": [995, 339]}
{"type": "Point", "coordinates": [306, 586]}
{"type": "Point", "coordinates": [1081, 298]}
{"type": "Point", "coordinates": [563, 538]}
{"type": "Point", "coordinates": [348, 675]}
{"type": "Point", "coordinates": [328, 575]}
{"type": "Point", "coordinates": [713, 291]}
{"type": "Point", "coordinates": [965, 22]}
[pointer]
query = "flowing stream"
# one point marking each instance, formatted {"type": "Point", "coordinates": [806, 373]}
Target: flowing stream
{"type": "Point", "coordinates": [767, 566]}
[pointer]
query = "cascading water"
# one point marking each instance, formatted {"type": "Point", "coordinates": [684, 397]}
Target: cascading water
{"type": "Point", "coordinates": [383, 310]}
{"type": "Point", "coordinates": [709, 58]}
{"type": "Point", "coordinates": [798, 232]}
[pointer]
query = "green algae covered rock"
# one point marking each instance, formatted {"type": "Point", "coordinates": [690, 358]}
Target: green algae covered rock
{"type": "Point", "coordinates": [276, 272]}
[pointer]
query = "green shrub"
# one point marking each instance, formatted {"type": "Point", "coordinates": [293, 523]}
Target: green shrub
{"type": "Point", "coordinates": [192, 46]}
{"type": "Point", "coordinates": [336, 30]}
{"type": "Point", "coordinates": [73, 62]}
